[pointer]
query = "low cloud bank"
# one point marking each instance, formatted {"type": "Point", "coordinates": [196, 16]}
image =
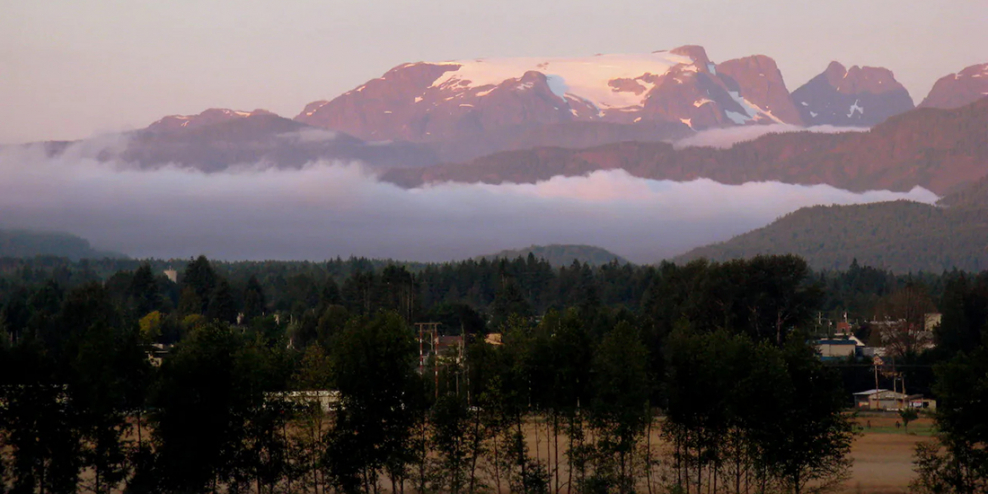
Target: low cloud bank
{"type": "Point", "coordinates": [729, 136]}
{"type": "Point", "coordinates": [337, 209]}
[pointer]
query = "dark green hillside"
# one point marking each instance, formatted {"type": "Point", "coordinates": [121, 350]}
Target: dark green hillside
{"type": "Point", "coordinates": [973, 196]}
{"type": "Point", "coordinates": [562, 255]}
{"type": "Point", "coordinates": [25, 243]}
{"type": "Point", "coordinates": [901, 236]}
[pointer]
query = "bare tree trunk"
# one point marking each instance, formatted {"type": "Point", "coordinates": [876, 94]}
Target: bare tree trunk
{"type": "Point", "coordinates": [710, 477]}
{"type": "Point", "coordinates": [623, 471]}
{"type": "Point", "coordinates": [583, 440]}
{"type": "Point", "coordinates": [521, 455]}
{"type": "Point", "coordinates": [555, 437]}
{"type": "Point", "coordinates": [737, 471]}
{"type": "Point", "coordinates": [497, 466]}
{"type": "Point", "coordinates": [569, 460]}
{"type": "Point", "coordinates": [699, 471]}
{"type": "Point", "coordinates": [422, 461]}
{"type": "Point", "coordinates": [538, 440]}
{"type": "Point", "coordinates": [475, 453]}
{"type": "Point", "coordinates": [288, 475]}
{"type": "Point", "coordinates": [677, 439]}
{"type": "Point", "coordinates": [648, 453]}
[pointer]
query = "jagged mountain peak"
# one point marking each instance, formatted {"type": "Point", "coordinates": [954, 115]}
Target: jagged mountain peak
{"type": "Point", "coordinates": [763, 85]}
{"type": "Point", "coordinates": [436, 101]}
{"type": "Point", "coordinates": [696, 52]}
{"type": "Point", "coordinates": [835, 73]}
{"type": "Point", "coordinates": [858, 96]}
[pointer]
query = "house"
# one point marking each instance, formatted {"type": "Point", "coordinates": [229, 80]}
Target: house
{"type": "Point", "coordinates": [836, 349]}
{"type": "Point", "coordinates": [883, 399]}
{"type": "Point", "coordinates": [917, 401]}
{"type": "Point", "coordinates": [448, 344]}
{"type": "Point", "coordinates": [157, 353]}
{"type": "Point", "coordinates": [493, 339]}
{"type": "Point", "coordinates": [878, 399]}
{"type": "Point", "coordinates": [327, 400]}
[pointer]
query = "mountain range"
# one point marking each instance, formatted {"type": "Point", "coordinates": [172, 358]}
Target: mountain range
{"type": "Point", "coordinates": [429, 113]}
{"type": "Point", "coordinates": [937, 149]}
{"type": "Point", "coordinates": [525, 120]}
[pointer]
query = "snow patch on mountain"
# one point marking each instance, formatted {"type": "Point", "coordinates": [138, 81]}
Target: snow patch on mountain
{"type": "Point", "coordinates": [587, 78]}
{"type": "Point", "coordinates": [855, 108]}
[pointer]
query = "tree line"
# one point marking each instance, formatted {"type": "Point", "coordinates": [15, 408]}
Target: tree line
{"type": "Point", "coordinates": [615, 379]}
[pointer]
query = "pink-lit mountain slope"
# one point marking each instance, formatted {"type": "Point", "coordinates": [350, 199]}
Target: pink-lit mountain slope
{"type": "Point", "coordinates": [962, 88]}
{"type": "Point", "coordinates": [429, 102]}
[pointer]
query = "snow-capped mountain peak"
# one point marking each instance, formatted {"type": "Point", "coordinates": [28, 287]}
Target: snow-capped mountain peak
{"type": "Point", "coordinates": [606, 81]}
{"type": "Point", "coordinates": [428, 101]}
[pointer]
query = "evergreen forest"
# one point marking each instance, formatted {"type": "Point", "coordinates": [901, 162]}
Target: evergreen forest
{"type": "Point", "coordinates": [503, 375]}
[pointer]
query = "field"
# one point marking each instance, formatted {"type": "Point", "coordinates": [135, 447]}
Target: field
{"type": "Point", "coordinates": [883, 455]}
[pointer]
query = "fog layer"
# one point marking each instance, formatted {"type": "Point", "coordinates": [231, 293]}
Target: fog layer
{"type": "Point", "coordinates": [338, 209]}
{"type": "Point", "coordinates": [729, 136]}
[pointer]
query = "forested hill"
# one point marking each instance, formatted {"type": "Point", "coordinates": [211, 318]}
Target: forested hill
{"type": "Point", "coordinates": [900, 236]}
{"type": "Point", "coordinates": [562, 255]}
{"type": "Point", "coordinates": [25, 243]}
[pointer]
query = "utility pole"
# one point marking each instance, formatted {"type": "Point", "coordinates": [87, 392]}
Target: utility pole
{"type": "Point", "coordinates": [435, 360]}
{"type": "Point", "coordinates": [432, 330]}
{"type": "Point", "coordinates": [876, 361]}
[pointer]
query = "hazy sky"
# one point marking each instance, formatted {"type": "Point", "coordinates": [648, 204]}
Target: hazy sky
{"type": "Point", "coordinates": [74, 68]}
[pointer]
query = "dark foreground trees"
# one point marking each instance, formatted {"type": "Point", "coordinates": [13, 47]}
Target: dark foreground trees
{"type": "Point", "coordinates": [748, 416]}
{"type": "Point", "coordinates": [566, 401]}
{"type": "Point", "coordinates": [67, 386]}
{"type": "Point", "coordinates": [380, 398]}
{"type": "Point", "coordinates": [958, 461]}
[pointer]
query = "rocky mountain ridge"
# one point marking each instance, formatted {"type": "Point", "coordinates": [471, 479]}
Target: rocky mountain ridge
{"type": "Point", "coordinates": [940, 150]}
{"type": "Point", "coordinates": [437, 101]}
{"type": "Point", "coordinates": [859, 97]}
{"type": "Point", "coordinates": [218, 139]}
{"type": "Point", "coordinates": [422, 114]}
{"type": "Point", "coordinates": [954, 90]}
